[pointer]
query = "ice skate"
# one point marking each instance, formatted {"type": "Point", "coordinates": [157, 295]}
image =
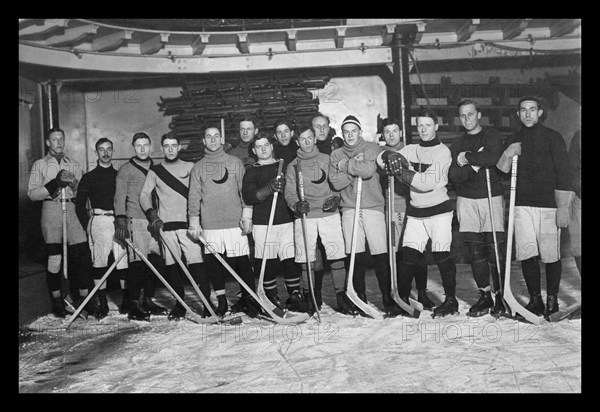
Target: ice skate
{"type": "Point", "coordinates": [449, 307]}
{"type": "Point", "coordinates": [483, 305]}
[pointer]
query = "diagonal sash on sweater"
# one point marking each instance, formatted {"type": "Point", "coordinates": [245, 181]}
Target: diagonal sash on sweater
{"type": "Point", "coordinates": [171, 180]}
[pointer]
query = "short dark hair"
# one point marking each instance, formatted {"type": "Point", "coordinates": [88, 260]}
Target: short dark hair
{"type": "Point", "coordinates": [248, 119]}
{"type": "Point", "coordinates": [426, 112]}
{"type": "Point", "coordinates": [532, 99]}
{"type": "Point", "coordinates": [103, 140]}
{"type": "Point", "coordinates": [210, 126]}
{"type": "Point", "coordinates": [54, 130]}
{"type": "Point", "coordinates": [282, 121]}
{"type": "Point", "coordinates": [262, 135]}
{"type": "Point", "coordinates": [140, 135]}
{"type": "Point", "coordinates": [466, 102]}
{"type": "Point", "coordinates": [302, 127]}
{"type": "Point", "coordinates": [169, 135]}
{"type": "Point", "coordinates": [389, 121]}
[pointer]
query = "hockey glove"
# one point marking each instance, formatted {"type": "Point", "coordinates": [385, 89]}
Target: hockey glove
{"type": "Point", "coordinates": [505, 161]}
{"type": "Point", "coordinates": [121, 228]}
{"type": "Point", "coordinates": [331, 204]}
{"type": "Point", "coordinates": [156, 224]}
{"type": "Point", "coordinates": [394, 161]}
{"type": "Point", "coordinates": [302, 207]}
{"type": "Point", "coordinates": [194, 229]}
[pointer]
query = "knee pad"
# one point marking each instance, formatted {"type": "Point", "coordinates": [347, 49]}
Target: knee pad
{"type": "Point", "coordinates": [412, 256]}
{"type": "Point", "coordinates": [337, 264]}
{"type": "Point", "coordinates": [54, 263]}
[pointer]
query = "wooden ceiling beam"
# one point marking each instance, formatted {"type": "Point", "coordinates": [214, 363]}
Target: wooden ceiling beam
{"type": "Point", "coordinates": [154, 44]}
{"type": "Point", "coordinates": [45, 30]}
{"type": "Point", "coordinates": [290, 40]}
{"type": "Point", "coordinates": [514, 28]}
{"type": "Point", "coordinates": [388, 34]}
{"type": "Point", "coordinates": [340, 35]}
{"type": "Point", "coordinates": [564, 27]}
{"type": "Point", "coordinates": [419, 33]}
{"type": "Point", "coordinates": [72, 37]}
{"type": "Point", "coordinates": [111, 41]}
{"type": "Point", "coordinates": [200, 44]}
{"type": "Point", "coordinates": [465, 31]}
{"type": "Point", "coordinates": [243, 43]}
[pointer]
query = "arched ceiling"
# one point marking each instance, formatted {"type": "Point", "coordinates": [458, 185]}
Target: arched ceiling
{"type": "Point", "coordinates": [83, 49]}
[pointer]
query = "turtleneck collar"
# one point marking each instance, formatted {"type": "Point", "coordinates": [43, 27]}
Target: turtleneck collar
{"type": "Point", "coordinates": [243, 145]}
{"type": "Point", "coordinates": [137, 159]}
{"type": "Point", "coordinates": [352, 150]}
{"type": "Point", "coordinates": [213, 155]}
{"type": "Point", "coordinates": [433, 142]}
{"type": "Point", "coordinates": [529, 131]}
{"type": "Point", "coordinates": [304, 155]}
{"type": "Point", "coordinates": [172, 161]}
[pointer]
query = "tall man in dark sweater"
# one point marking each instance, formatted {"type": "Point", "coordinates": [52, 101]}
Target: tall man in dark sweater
{"type": "Point", "coordinates": [542, 203]}
{"type": "Point", "coordinates": [285, 147]}
{"type": "Point", "coordinates": [98, 185]}
{"type": "Point", "coordinates": [472, 153]}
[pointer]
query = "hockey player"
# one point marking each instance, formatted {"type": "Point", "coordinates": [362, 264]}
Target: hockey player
{"type": "Point", "coordinates": [392, 136]}
{"type": "Point", "coordinates": [49, 176]}
{"type": "Point", "coordinates": [542, 203]}
{"type": "Point", "coordinates": [260, 184]}
{"type": "Point", "coordinates": [98, 186]}
{"type": "Point", "coordinates": [216, 210]}
{"type": "Point", "coordinates": [323, 219]}
{"type": "Point", "coordinates": [130, 222]}
{"type": "Point", "coordinates": [424, 167]}
{"type": "Point", "coordinates": [472, 153]}
{"type": "Point", "coordinates": [243, 151]}
{"type": "Point", "coordinates": [171, 180]}
{"type": "Point", "coordinates": [323, 133]}
{"type": "Point", "coordinates": [285, 146]}
{"type": "Point", "coordinates": [357, 159]}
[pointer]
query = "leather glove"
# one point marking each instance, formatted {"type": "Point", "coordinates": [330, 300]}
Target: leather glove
{"type": "Point", "coordinates": [246, 221]}
{"type": "Point", "coordinates": [302, 207]}
{"type": "Point", "coordinates": [505, 161]}
{"type": "Point", "coordinates": [394, 161]}
{"type": "Point", "coordinates": [65, 178]}
{"type": "Point", "coordinates": [121, 228]}
{"type": "Point", "coordinates": [156, 224]}
{"type": "Point", "coordinates": [461, 159]}
{"type": "Point", "coordinates": [277, 184]}
{"type": "Point", "coordinates": [194, 229]}
{"type": "Point", "coordinates": [331, 204]}
{"type": "Point", "coordinates": [563, 207]}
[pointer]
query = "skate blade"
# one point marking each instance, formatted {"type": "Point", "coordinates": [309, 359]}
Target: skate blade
{"type": "Point", "coordinates": [443, 315]}
{"type": "Point", "coordinates": [478, 314]}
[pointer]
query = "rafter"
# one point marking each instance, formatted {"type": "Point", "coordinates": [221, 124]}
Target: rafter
{"type": "Point", "coordinates": [72, 37]}
{"type": "Point", "coordinates": [243, 43]}
{"type": "Point", "coordinates": [514, 28]}
{"type": "Point", "coordinates": [564, 27]}
{"type": "Point", "coordinates": [48, 28]}
{"type": "Point", "coordinates": [465, 32]}
{"type": "Point", "coordinates": [290, 40]}
{"type": "Point", "coordinates": [200, 44]}
{"type": "Point", "coordinates": [111, 41]}
{"type": "Point", "coordinates": [340, 35]}
{"type": "Point", "coordinates": [154, 44]}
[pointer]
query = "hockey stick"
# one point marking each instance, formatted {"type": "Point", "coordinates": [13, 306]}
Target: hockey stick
{"type": "Point", "coordinates": [279, 319]}
{"type": "Point", "coordinates": [563, 314]}
{"type": "Point", "coordinates": [374, 313]}
{"type": "Point", "coordinates": [194, 316]}
{"type": "Point", "coordinates": [409, 308]}
{"type": "Point", "coordinates": [260, 290]}
{"type": "Point", "coordinates": [213, 318]}
{"type": "Point", "coordinates": [100, 283]}
{"type": "Point", "coordinates": [498, 266]}
{"type": "Point", "coordinates": [311, 286]}
{"type": "Point", "coordinates": [514, 306]}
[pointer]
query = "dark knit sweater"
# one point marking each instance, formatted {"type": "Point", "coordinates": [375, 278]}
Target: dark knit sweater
{"type": "Point", "coordinates": [99, 186]}
{"type": "Point", "coordinates": [255, 178]}
{"type": "Point", "coordinates": [469, 183]}
{"type": "Point", "coordinates": [542, 166]}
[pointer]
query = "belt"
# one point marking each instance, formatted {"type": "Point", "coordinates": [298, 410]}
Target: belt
{"type": "Point", "coordinates": [72, 200]}
{"type": "Point", "coordinates": [107, 213]}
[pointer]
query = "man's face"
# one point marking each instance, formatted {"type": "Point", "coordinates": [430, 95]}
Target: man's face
{"type": "Point", "coordinates": [469, 117]}
{"type": "Point", "coordinates": [529, 113]}
{"type": "Point", "coordinates": [392, 135]}
{"type": "Point", "coordinates": [426, 128]}
{"type": "Point", "coordinates": [263, 149]}
{"type": "Point", "coordinates": [170, 148]}
{"type": "Point", "coordinates": [105, 153]}
{"type": "Point", "coordinates": [284, 134]}
{"type": "Point", "coordinates": [307, 141]}
{"type": "Point", "coordinates": [56, 142]}
{"type": "Point", "coordinates": [321, 126]}
{"type": "Point", "coordinates": [212, 139]}
{"type": "Point", "coordinates": [142, 148]}
{"type": "Point", "coordinates": [352, 133]}
{"type": "Point", "coordinates": [247, 131]}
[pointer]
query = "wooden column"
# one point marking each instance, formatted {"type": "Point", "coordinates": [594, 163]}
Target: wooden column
{"type": "Point", "coordinates": [401, 86]}
{"type": "Point", "coordinates": [50, 106]}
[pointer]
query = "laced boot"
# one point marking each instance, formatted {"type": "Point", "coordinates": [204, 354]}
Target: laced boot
{"type": "Point", "coordinates": [498, 309]}
{"type": "Point", "coordinates": [58, 307]}
{"type": "Point", "coordinates": [449, 307]}
{"type": "Point", "coordinates": [222, 306]}
{"type": "Point", "coordinates": [136, 312]}
{"type": "Point", "coordinates": [536, 305]}
{"type": "Point", "coordinates": [392, 309]}
{"type": "Point", "coordinates": [424, 300]}
{"type": "Point", "coordinates": [150, 306]}
{"type": "Point", "coordinates": [296, 302]}
{"type": "Point", "coordinates": [177, 313]}
{"type": "Point", "coordinates": [551, 304]}
{"type": "Point", "coordinates": [102, 305]}
{"type": "Point", "coordinates": [483, 305]}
